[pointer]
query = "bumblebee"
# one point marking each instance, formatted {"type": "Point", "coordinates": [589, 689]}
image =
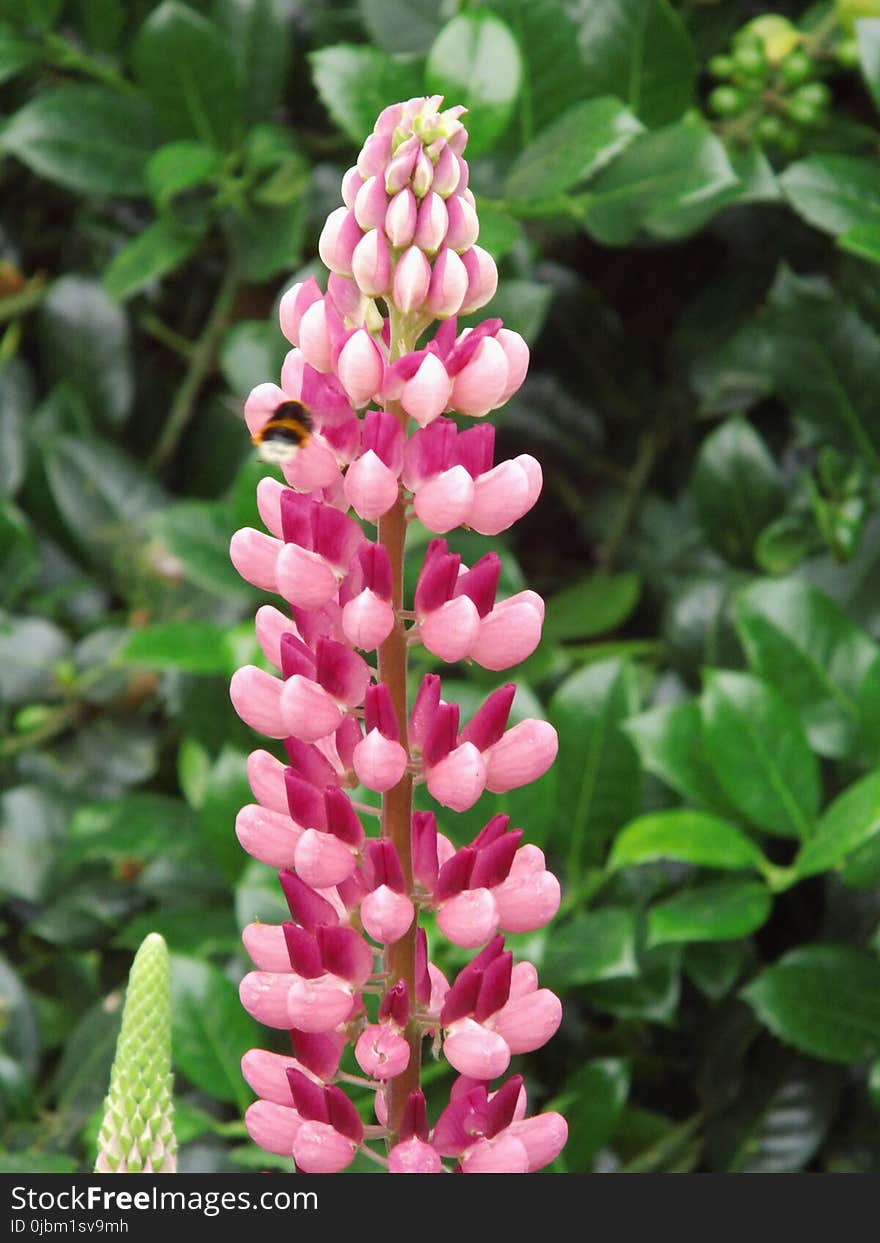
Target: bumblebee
{"type": "Point", "coordinates": [288, 429]}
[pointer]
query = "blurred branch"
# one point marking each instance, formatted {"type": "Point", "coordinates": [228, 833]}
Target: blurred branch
{"type": "Point", "coordinates": [201, 361]}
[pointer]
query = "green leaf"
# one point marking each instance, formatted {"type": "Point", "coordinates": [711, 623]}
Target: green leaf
{"type": "Point", "coordinates": [192, 646]}
{"type": "Point", "coordinates": [475, 61]}
{"type": "Point", "coordinates": [85, 138]}
{"type": "Point", "coordinates": [33, 822]}
{"type": "Point", "coordinates": [16, 52]}
{"type": "Point", "coordinates": [552, 67]}
{"type": "Point", "coordinates": [715, 966]}
{"type": "Point", "coordinates": [43, 13]}
{"type": "Point", "coordinates": [852, 820]}
{"type": "Point", "coordinates": [258, 34]}
{"type": "Point", "coordinates": [597, 768]}
{"type": "Point", "coordinates": [800, 641]}
{"type": "Point", "coordinates": [667, 183]}
{"type": "Point", "coordinates": [402, 26]}
{"type": "Point", "coordinates": [760, 754]}
{"type": "Point", "coordinates": [227, 791]}
{"type": "Point", "coordinates": [267, 240]}
{"type": "Point", "coordinates": [572, 148]}
{"type": "Point", "coordinates": [862, 240]}
{"type": "Point", "coordinates": [669, 741]}
{"type": "Point", "coordinates": [686, 837]}
{"type": "Point", "coordinates": [20, 1035]}
{"type": "Point", "coordinates": [824, 1000]}
{"type": "Point", "coordinates": [639, 50]}
{"type": "Point", "coordinates": [18, 553]}
{"type": "Point", "coordinates": [522, 304]}
{"type": "Point", "coordinates": [251, 350]}
{"type": "Point", "coordinates": [102, 22]}
{"type": "Point", "coordinates": [85, 341]}
{"type": "Point", "coordinates": [16, 403]}
{"type": "Point", "coordinates": [778, 1125]}
{"type": "Point", "coordinates": [30, 648]}
{"type": "Point", "coordinates": [196, 931]}
{"type": "Point", "coordinates": [152, 254]}
{"type": "Point", "coordinates": [737, 488]}
{"type": "Point", "coordinates": [593, 945]}
{"type": "Point", "coordinates": [138, 826]}
{"type": "Point", "coordinates": [868, 36]}
{"type": "Point", "coordinates": [593, 1099]}
{"type": "Point", "coordinates": [835, 193]}
{"type": "Point", "coordinates": [210, 1030]}
{"type": "Point", "coordinates": [184, 63]}
{"type": "Point", "coordinates": [103, 495]}
{"type": "Point", "coordinates": [652, 996]}
{"type": "Point", "coordinates": [717, 912]}
{"type": "Point", "coordinates": [180, 166]}
{"type": "Point", "coordinates": [197, 533]}
{"type": "Point", "coordinates": [356, 83]}
{"type": "Point", "coordinates": [83, 1073]}
{"type": "Point", "coordinates": [591, 607]}
{"type": "Point", "coordinates": [825, 361]}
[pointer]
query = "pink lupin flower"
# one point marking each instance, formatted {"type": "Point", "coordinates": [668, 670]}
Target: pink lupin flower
{"type": "Point", "coordinates": [406, 235]}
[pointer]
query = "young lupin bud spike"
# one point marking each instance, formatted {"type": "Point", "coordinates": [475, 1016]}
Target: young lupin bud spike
{"type": "Point", "coordinates": [137, 1134]}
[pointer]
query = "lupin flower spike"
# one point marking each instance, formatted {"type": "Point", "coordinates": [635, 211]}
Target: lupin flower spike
{"type": "Point", "coordinates": [378, 390]}
{"type": "Point", "coordinates": [137, 1133]}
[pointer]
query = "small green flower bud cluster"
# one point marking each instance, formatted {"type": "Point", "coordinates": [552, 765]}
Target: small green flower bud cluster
{"type": "Point", "coordinates": [770, 82]}
{"type": "Point", "coordinates": [137, 1133]}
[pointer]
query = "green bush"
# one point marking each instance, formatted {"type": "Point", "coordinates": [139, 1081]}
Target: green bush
{"type": "Point", "coordinates": [686, 207]}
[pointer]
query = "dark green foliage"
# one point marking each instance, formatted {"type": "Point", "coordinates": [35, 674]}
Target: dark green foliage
{"type": "Point", "coordinates": [686, 211]}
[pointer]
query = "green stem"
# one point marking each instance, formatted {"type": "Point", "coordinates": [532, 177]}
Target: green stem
{"type": "Point", "coordinates": [201, 362]}
{"type": "Point", "coordinates": [65, 55]}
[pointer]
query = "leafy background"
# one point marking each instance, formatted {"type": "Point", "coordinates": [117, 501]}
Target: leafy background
{"type": "Point", "coordinates": [704, 316]}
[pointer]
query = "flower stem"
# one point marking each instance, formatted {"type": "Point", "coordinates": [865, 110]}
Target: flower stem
{"type": "Point", "coordinates": [399, 960]}
{"type": "Point", "coordinates": [200, 364]}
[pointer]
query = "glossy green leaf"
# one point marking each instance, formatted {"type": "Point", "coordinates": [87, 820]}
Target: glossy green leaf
{"type": "Point", "coordinates": [591, 946]}
{"type": "Point", "coordinates": [868, 36]}
{"type": "Point", "coordinates": [197, 533]}
{"type": "Point", "coordinates": [137, 826]}
{"type": "Point", "coordinates": [196, 931]}
{"type": "Point", "coordinates": [160, 249]}
{"type": "Point", "coordinates": [251, 350]}
{"type": "Point", "coordinates": [669, 741]}
{"type": "Point", "coordinates": [356, 83]}
{"type": "Point", "coordinates": [267, 240]}
{"type": "Point", "coordinates": [651, 996]}
{"type": "Point", "coordinates": [825, 360]}
{"type": "Point", "coordinates": [722, 911]}
{"type": "Point", "coordinates": [180, 166]}
{"type": "Point", "coordinates": [592, 1099]}
{"type": "Point", "coordinates": [259, 35]}
{"type": "Point", "coordinates": [667, 183]}
{"type": "Point", "coordinates": [30, 649]}
{"type": "Point", "coordinates": [227, 791]}
{"type": "Point", "coordinates": [402, 26]}
{"type": "Point", "coordinates": [16, 403]}
{"type": "Point", "coordinates": [686, 837]}
{"type": "Point", "coordinates": [85, 138]}
{"type": "Point", "coordinates": [572, 148]}
{"type": "Point", "coordinates": [835, 193]}
{"type": "Point", "coordinates": [16, 52]}
{"type": "Point", "coordinates": [33, 822]}
{"type": "Point", "coordinates": [86, 341]}
{"type": "Point", "coordinates": [192, 646]}
{"type": "Point", "coordinates": [800, 641]}
{"type": "Point", "coordinates": [104, 495]}
{"type": "Point", "coordinates": [593, 606]}
{"type": "Point", "coordinates": [184, 63]}
{"type": "Point", "coordinates": [210, 1030]}
{"type": "Point", "coordinates": [737, 487]}
{"type": "Point", "coordinates": [18, 553]}
{"type": "Point", "coordinates": [640, 51]}
{"type": "Point", "coordinates": [852, 820]}
{"type": "Point", "coordinates": [760, 755]}
{"type": "Point", "coordinates": [597, 768]}
{"type": "Point", "coordinates": [715, 966]}
{"type": "Point", "coordinates": [824, 1000]}
{"type": "Point", "coordinates": [476, 61]}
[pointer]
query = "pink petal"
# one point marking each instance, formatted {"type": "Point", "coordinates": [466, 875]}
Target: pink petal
{"type": "Point", "coordinates": [522, 755]}
{"type": "Point", "coordinates": [256, 697]}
